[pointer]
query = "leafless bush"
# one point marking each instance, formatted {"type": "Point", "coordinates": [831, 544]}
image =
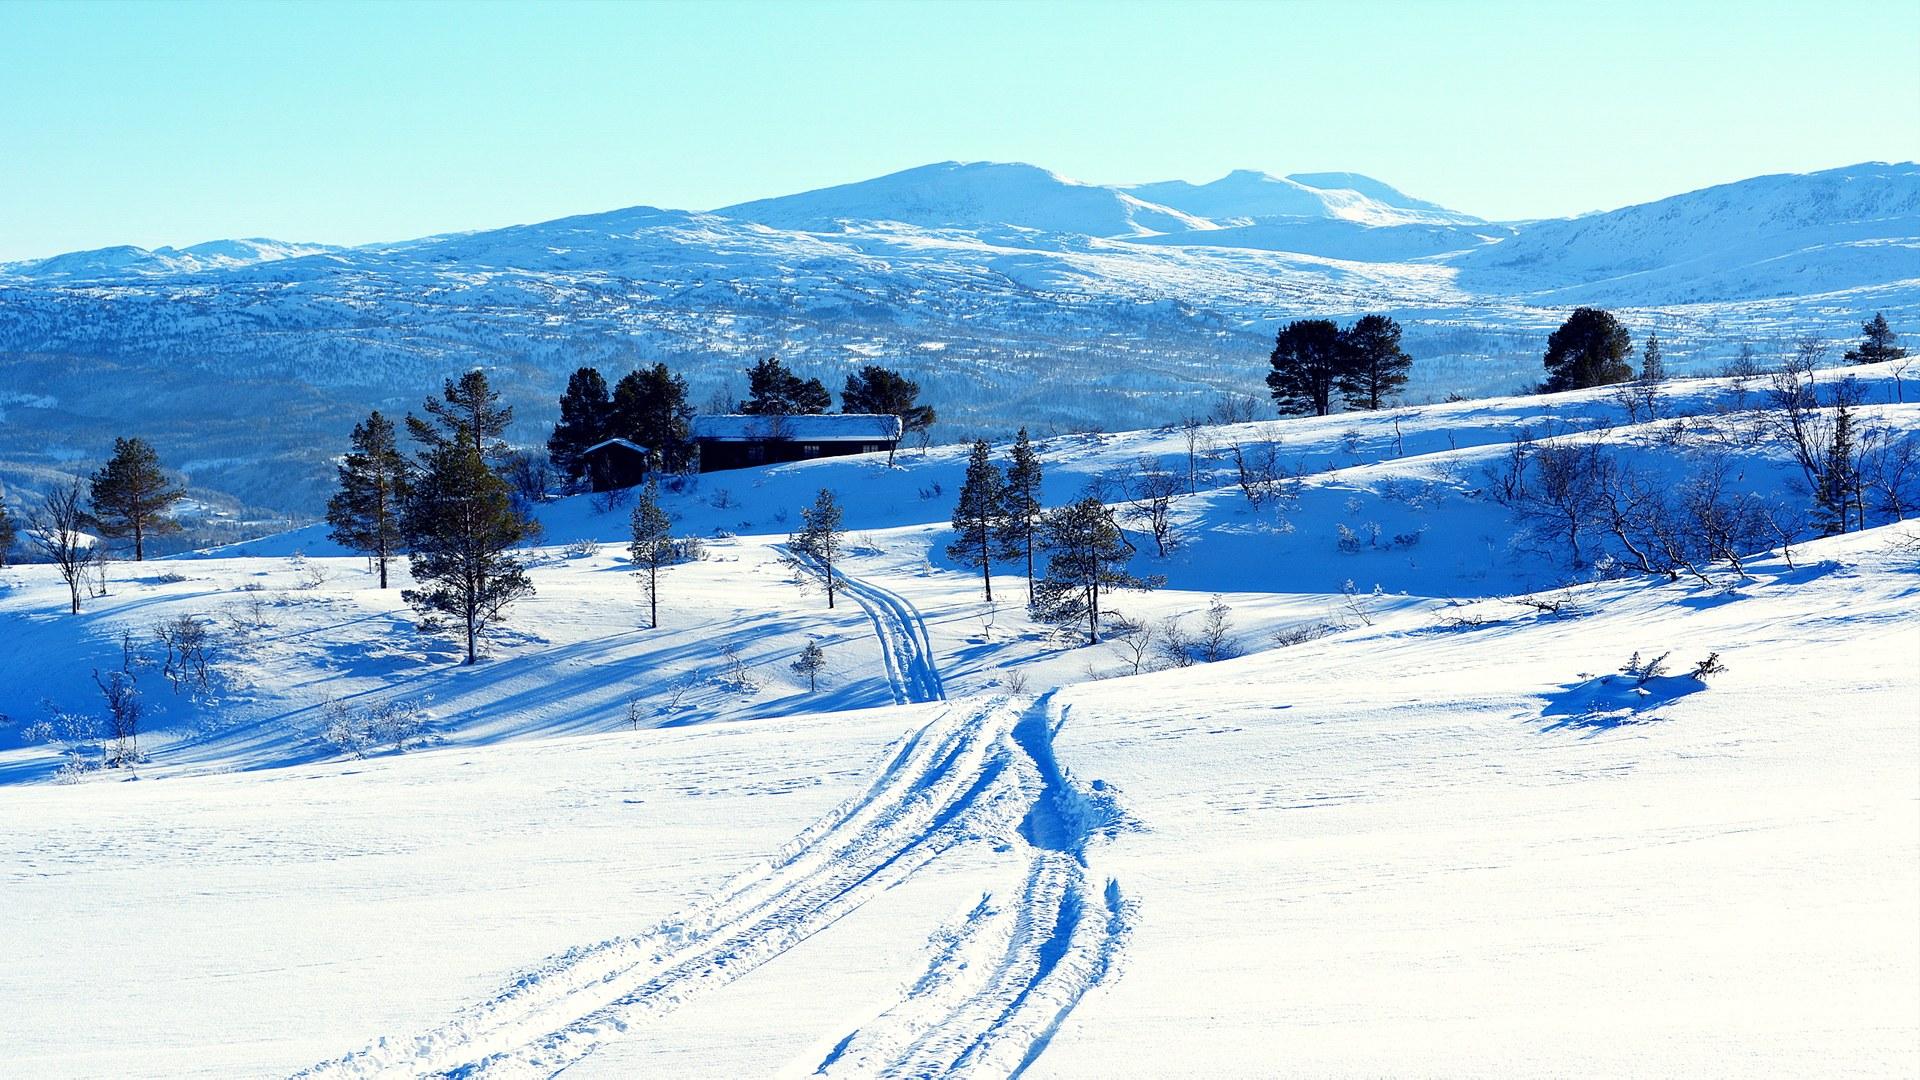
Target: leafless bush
{"type": "Point", "coordinates": [187, 641]}
{"type": "Point", "coordinates": [1150, 491]}
{"type": "Point", "coordinates": [735, 675]}
{"type": "Point", "coordinates": [124, 712]}
{"type": "Point", "coordinates": [1507, 478]}
{"type": "Point", "coordinates": [1263, 480]}
{"type": "Point", "coordinates": [1216, 640]}
{"type": "Point", "coordinates": [1015, 682]}
{"type": "Point", "coordinates": [584, 548]}
{"type": "Point", "coordinates": [1301, 633]}
{"type": "Point", "coordinates": [400, 724]}
{"type": "Point", "coordinates": [307, 573]}
{"type": "Point", "coordinates": [1132, 639]}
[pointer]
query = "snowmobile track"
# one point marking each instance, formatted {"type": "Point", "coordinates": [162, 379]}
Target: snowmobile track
{"type": "Point", "coordinates": [981, 773]}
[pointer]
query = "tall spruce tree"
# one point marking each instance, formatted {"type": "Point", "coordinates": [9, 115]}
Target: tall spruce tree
{"type": "Point", "coordinates": [1087, 557]}
{"type": "Point", "coordinates": [131, 496]}
{"type": "Point", "coordinates": [878, 390]}
{"type": "Point", "coordinates": [821, 538]}
{"type": "Point", "coordinates": [365, 513]}
{"type": "Point", "coordinates": [1653, 361]}
{"type": "Point", "coordinates": [467, 411]}
{"type": "Point", "coordinates": [460, 527]}
{"type": "Point", "coordinates": [1877, 342]}
{"type": "Point", "coordinates": [651, 546]}
{"type": "Point", "coordinates": [1375, 367]}
{"type": "Point", "coordinates": [772, 390]}
{"type": "Point", "coordinates": [7, 531]}
{"type": "Point", "coordinates": [980, 514]}
{"type": "Point", "coordinates": [650, 408]}
{"type": "Point", "coordinates": [584, 411]}
{"type": "Point", "coordinates": [1590, 349]}
{"type": "Point", "coordinates": [1309, 357]}
{"type": "Point", "coordinates": [1022, 510]}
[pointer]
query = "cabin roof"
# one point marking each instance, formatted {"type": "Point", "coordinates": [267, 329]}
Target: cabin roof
{"type": "Point", "coordinates": [604, 443]}
{"type": "Point", "coordinates": [827, 427]}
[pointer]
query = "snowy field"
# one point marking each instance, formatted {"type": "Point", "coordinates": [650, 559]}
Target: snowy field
{"type": "Point", "coordinates": [1438, 835]}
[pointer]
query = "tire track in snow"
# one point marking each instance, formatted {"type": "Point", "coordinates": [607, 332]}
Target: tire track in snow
{"type": "Point", "coordinates": [980, 773]}
{"type": "Point", "coordinates": [1001, 980]}
{"type": "Point", "coordinates": [904, 643]}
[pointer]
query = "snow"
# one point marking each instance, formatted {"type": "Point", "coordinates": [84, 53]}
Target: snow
{"type": "Point", "coordinates": [1409, 846]}
{"type": "Point", "coordinates": [741, 427]}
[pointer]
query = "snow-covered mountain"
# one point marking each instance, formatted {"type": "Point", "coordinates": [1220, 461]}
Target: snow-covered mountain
{"type": "Point", "coordinates": [1245, 196]}
{"type": "Point", "coordinates": [1013, 295]}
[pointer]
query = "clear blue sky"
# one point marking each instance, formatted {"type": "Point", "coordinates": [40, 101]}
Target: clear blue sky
{"type": "Point", "coordinates": [172, 123]}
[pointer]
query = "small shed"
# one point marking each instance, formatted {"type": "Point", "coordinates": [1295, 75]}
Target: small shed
{"type": "Point", "coordinates": [739, 440]}
{"type": "Point", "coordinates": [616, 463]}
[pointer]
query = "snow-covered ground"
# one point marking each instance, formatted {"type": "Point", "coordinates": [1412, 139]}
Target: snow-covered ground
{"type": "Point", "coordinates": [1443, 837]}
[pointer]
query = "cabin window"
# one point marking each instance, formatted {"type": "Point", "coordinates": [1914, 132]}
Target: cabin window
{"type": "Point", "coordinates": [756, 453]}
{"type": "Point", "coordinates": [811, 449]}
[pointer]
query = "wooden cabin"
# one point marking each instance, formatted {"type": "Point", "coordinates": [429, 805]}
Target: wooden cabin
{"type": "Point", "coordinates": [616, 463]}
{"type": "Point", "coordinates": [739, 441]}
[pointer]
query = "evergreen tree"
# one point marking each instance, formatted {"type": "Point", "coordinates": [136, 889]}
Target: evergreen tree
{"type": "Point", "coordinates": [811, 662]}
{"type": "Point", "coordinates": [1877, 342]}
{"type": "Point", "coordinates": [650, 408]}
{"type": "Point", "coordinates": [469, 412]}
{"type": "Point", "coordinates": [1653, 363]}
{"type": "Point", "coordinates": [1022, 510]}
{"type": "Point", "coordinates": [1840, 474]}
{"type": "Point", "coordinates": [877, 390]}
{"type": "Point", "coordinates": [584, 411]}
{"type": "Point", "coordinates": [821, 538]}
{"type": "Point", "coordinates": [1087, 556]}
{"type": "Point", "coordinates": [979, 514]}
{"type": "Point", "coordinates": [1309, 358]}
{"type": "Point", "coordinates": [460, 527]}
{"type": "Point", "coordinates": [131, 496]}
{"type": "Point", "coordinates": [652, 546]}
{"type": "Point", "coordinates": [7, 532]}
{"type": "Point", "coordinates": [1589, 349]}
{"type": "Point", "coordinates": [365, 513]}
{"type": "Point", "coordinates": [1376, 367]}
{"type": "Point", "coordinates": [772, 390]}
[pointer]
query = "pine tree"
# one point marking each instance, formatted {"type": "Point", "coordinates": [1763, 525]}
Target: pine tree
{"type": "Point", "coordinates": [460, 527]}
{"type": "Point", "coordinates": [1087, 556]}
{"type": "Point", "coordinates": [1877, 342]}
{"type": "Point", "coordinates": [820, 538]}
{"type": "Point", "coordinates": [469, 412]}
{"type": "Point", "coordinates": [365, 513]}
{"type": "Point", "coordinates": [877, 390]}
{"type": "Point", "coordinates": [772, 390]}
{"type": "Point", "coordinates": [811, 662]}
{"type": "Point", "coordinates": [1376, 366]}
{"type": "Point", "coordinates": [131, 496]}
{"type": "Point", "coordinates": [1839, 476]}
{"type": "Point", "coordinates": [1653, 363]}
{"type": "Point", "coordinates": [650, 408]}
{"type": "Point", "coordinates": [979, 514]}
{"type": "Point", "coordinates": [1022, 510]}
{"type": "Point", "coordinates": [652, 546]}
{"type": "Point", "coordinates": [7, 532]}
{"type": "Point", "coordinates": [1590, 349]}
{"type": "Point", "coordinates": [584, 411]}
{"type": "Point", "coordinates": [1308, 360]}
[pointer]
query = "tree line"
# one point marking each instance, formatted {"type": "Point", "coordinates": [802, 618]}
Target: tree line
{"type": "Point", "coordinates": [650, 408]}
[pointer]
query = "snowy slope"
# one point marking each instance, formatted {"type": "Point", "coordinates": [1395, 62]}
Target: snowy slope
{"type": "Point", "coordinates": [1769, 236]}
{"type": "Point", "coordinates": [972, 195]}
{"type": "Point", "coordinates": [1424, 842]}
{"type": "Point", "coordinates": [1245, 194]}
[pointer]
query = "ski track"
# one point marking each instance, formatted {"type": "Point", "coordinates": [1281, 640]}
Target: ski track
{"type": "Point", "coordinates": [903, 637]}
{"type": "Point", "coordinates": [996, 986]}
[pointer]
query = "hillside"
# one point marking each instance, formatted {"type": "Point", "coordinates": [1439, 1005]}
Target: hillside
{"type": "Point", "coordinates": [1410, 818]}
{"type": "Point", "coordinates": [1014, 296]}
